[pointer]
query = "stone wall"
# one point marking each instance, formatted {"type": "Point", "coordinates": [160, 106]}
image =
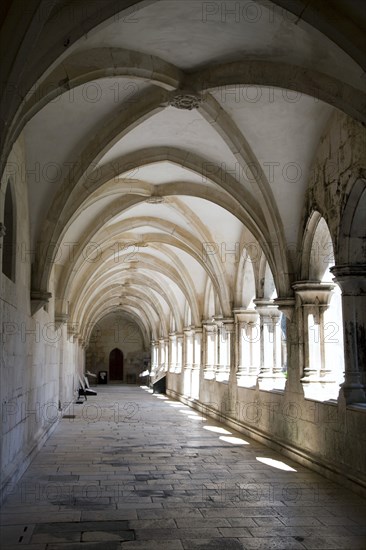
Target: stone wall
{"type": "Point", "coordinates": [339, 162]}
{"type": "Point", "coordinates": [38, 362]}
{"type": "Point", "coordinates": [115, 332]}
{"type": "Point", "coordinates": [321, 436]}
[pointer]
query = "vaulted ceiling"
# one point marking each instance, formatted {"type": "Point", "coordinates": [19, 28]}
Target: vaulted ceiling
{"type": "Point", "coordinates": [166, 134]}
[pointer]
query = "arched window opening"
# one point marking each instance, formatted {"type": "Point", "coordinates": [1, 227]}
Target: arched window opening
{"type": "Point", "coordinates": [225, 335]}
{"type": "Point", "coordinates": [9, 240]}
{"type": "Point", "coordinates": [173, 351]}
{"type": "Point", "coordinates": [188, 353]}
{"type": "Point", "coordinates": [187, 315]}
{"type": "Point", "coordinates": [273, 364]}
{"type": "Point", "coordinates": [210, 342]}
{"type": "Point", "coordinates": [154, 357]}
{"type": "Point", "coordinates": [179, 349]}
{"type": "Point", "coordinates": [247, 326]}
{"type": "Point", "coordinates": [195, 386]}
{"type": "Point", "coordinates": [322, 305]}
{"type": "Point", "coordinates": [163, 355]}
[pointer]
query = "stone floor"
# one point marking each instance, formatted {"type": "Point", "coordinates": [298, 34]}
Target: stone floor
{"type": "Point", "coordinates": [130, 470]}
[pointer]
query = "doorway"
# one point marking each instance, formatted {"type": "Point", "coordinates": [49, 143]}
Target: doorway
{"type": "Point", "coordinates": [116, 364]}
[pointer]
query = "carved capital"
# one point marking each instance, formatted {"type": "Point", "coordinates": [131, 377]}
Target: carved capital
{"type": "Point", "coordinates": [61, 318]}
{"type": "Point", "coordinates": [351, 279]}
{"type": "Point", "coordinates": [286, 306]}
{"type": "Point", "coordinates": [314, 296]}
{"type": "Point", "coordinates": [267, 309]}
{"type": "Point", "coordinates": [313, 293]}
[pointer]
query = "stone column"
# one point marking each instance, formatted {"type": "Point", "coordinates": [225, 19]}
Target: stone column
{"type": "Point", "coordinates": [188, 360]}
{"type": "Point", "coordinates": [197, 361]}
{"type": "Point", "coordinates": [294, 342]}
{"type": "Point", "coordinates": [313, 298]}
{"type": "Point", "coordinates": [166, 353]}
{"type": "Point", "coordinates": [247, 346]}
{"type": "Point", "coordinates": [225, 329]}
{"type": "Point", "coordinates": [179, 362]}
{"type": "Point", "coordinates": [172, 351]}
{"type": "Point", "coordinates": [162, 358]}
{"type": "Point", "coordinates": [270, 375]}
{"type": "Point", "coordinates": [210, 350]}
{"type": "Point", "coordinates": [154, 357]}
{"type": "Point", "coordinates": [352, 280]}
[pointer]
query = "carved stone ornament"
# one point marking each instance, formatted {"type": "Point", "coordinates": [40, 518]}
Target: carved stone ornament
{"type": "Point", "coordinates": [185, 100]}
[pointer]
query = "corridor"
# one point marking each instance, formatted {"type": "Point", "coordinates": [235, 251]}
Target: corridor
{"type": "Point", "coordinates": [130, 470]}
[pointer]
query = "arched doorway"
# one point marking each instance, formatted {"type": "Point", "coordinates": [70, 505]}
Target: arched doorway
{"type": "Point", "coordinates": [116, 364]}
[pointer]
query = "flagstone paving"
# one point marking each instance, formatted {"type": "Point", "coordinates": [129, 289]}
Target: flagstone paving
{"type": "Point", "coordinates": [128, 470]}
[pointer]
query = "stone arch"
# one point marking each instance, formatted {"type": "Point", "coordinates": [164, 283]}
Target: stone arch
{"type": "Point", "coordinates": [245, 285]}
{"type": "Point", "coordinates": [352, 232]}
{"type": "Point", "coordinates": [209, 305]}
{"type": "Point", "coordinates": [318, 249]}
{"type": "Point", "coordinates": [266, 288]}
{"type": "Point", "coordinates": [140, 320]}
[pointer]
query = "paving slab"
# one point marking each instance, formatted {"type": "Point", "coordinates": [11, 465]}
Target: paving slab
{"type": "Point", "coordinates": [166, 483]}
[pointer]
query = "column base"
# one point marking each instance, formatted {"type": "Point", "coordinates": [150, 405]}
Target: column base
{"type": "Point", "coordinates": [352, 394]}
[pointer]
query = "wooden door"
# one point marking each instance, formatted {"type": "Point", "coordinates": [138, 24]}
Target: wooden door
{"type": "Point", "coordinates": [116, 364]}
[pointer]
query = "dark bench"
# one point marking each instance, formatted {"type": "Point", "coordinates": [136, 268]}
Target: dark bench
{"type": "Point", "coordinates": [84, 388]}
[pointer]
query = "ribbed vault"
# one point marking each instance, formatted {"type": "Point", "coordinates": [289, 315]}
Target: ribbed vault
{"type": "Point", "coordinates": [169, 168]}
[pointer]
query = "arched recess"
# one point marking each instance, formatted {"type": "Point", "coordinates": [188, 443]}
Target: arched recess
{"type": "Point", "coordinates": [9, 232]}
{"type": "Point", "coordinates": [187, 315]}
{"type": "Point", "coordinates": [321, 301]}
{"type": "Point", "coordinates": [209, 305]}
{"type": "Point", "coordinates": [110, 282]}
{"type": "Point", "coordinates": [245, 286]}
{"type": "Point", "coordinates": [266, 289]}
{"type": "Point", "coordinates": [318, 250]}
{"type": "Point", "coordinates": [87, 332]}
{"type": "Point", "coordinates": [352, 234]}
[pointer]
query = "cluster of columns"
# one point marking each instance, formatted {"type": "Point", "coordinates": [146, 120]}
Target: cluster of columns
{"type": "Point", "coordinates": [219, 348]}
{"type": "Point", "coordinates": [256, 345]}
{"type": "Point", "coordinates": [312, 301]}
{"type": "Point", "coordinates": [248, 346]}
{"type": "Point", "coordinates": [192, 351]}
